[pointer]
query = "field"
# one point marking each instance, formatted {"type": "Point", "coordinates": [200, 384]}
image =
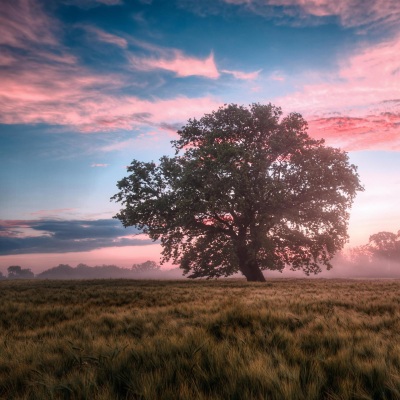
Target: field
{"type": "Point", "coordinates": [121, 339]}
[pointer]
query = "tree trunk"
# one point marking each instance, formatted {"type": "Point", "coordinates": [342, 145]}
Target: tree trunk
{"type": "Point", "coordinates": [248, 266]}
{"type": "Point", "coordinates": [252, 272]}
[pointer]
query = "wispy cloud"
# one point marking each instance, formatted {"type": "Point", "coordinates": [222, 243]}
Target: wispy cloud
{"type": "Point", "coordinates": [97, 165]}
{"type": "Point", "coordinates": [24, 23]}
{"type": "Point", "coordinates": [71, 95]}
{"type": "Point", "coordinates": [55, 211]}
{"type": "Point", "coordinates": [177, 62]}
{"type": "Point", "coordinates": [107, 37]}
{"type": "Point", "coordinates": [124, 144]}
{"type": "Point", "coordinates": [182, 65]}
{"type": "Point", "coordinates": [110, 2]}
{"type": "Point", "coordinates": [67, 93]}
{"type": "Point", "coordinates": [248, 76]}
{"type": "Point", "coordinates": [380, 131]}
{"type": "Point", "coordinates": [93, 3]}
{"type": "Point", "coordinates": [63, 236]}
{"type": "Point", "coordinates": [278, 76]}
{"type": "Point", "coordinates": [154, 140]}
{"type": "Point", "coordinates": [350, 13]}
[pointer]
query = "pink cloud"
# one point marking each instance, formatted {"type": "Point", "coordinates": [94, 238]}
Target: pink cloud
{"type": "Point", "coordinates": [243, 75]}
{"type": "Point", "coordinates": [369, 132]}
{"type": "Point", "coordinates": [97, 165]}
{"type": "Point", "coordinates": [66, 93]}
{"type": "Point", "coordinates": [71, 95]}
{"type": "Point", "coordinates": [53, 95]}
{"type": "Point", "coordinates": [179, 63]}
{"type": "Point", "coordinates": [7, 59]}
{"type": "Point", "coordinates": [358, 107]}
{"type": "Point", "coordinates": [23, 22]}
{"type": "Point", "coordinates": [172, 60]}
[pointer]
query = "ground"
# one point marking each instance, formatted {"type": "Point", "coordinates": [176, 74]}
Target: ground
{"type": "Point", "coordinates": [228, 339]}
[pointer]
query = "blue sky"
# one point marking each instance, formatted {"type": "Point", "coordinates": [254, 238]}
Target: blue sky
{"type": "Point", "coordinates": [89, 85]}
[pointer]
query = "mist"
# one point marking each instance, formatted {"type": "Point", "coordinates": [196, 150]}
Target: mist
{"type": "Point", "coordinates": [344, 267]}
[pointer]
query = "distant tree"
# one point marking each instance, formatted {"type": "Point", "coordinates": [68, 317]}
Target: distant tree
{"type": "Point", "coordinates": [62, 271]}
{"type": "Point", "coordinates": [247, 191]}
{"type": "Point", "coordinates": [16, 272]}
{"type": "Point", "coordinates": [385, 244]}
{"type": "Point", "coordinates": [2, 276]}
{"type": "Point", "coordinates": [83, 271]}
{"type": "Point", "coordinates": [147, 266]}
{"type": "Point", "coordinates": [379, 255]}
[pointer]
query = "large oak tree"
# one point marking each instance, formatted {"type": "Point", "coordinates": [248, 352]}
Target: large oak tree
{"type": "Point", "coordinates": [248, 190]}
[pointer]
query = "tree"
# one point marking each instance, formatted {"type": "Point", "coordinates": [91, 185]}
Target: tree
{"type": "Point", "coordinates": [16, 272]}
{"type": "Point", "coordinates": [247, 190]}
{"type": "Point", "coordinates": [379, 255]}
{"type": "Point", "coordinates": [385, 244]}
{"type": "Point", "coordinates": [147, 266]}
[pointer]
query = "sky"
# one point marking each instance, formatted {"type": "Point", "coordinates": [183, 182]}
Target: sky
{"type": "Point", "coordinates": [89, 85]}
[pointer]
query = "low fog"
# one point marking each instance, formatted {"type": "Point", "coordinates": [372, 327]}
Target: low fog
{"type": "Point", "coordinates": [344, 267]}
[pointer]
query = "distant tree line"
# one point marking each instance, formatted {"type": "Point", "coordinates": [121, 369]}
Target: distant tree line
{"type": "Point", "coordinates": [146, 270]}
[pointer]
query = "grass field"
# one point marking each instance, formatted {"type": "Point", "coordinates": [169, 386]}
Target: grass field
{"type": "Point", "coordinates": [120, 339]}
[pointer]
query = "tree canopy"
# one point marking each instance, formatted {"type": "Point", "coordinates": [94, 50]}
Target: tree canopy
{"type": "Point", "coordinates": [247, 190]}
{"type": "Point", "coordinates": [385, 244]}
{"type": "Point", "coordinates": [147, 266]}
{"type": "Point", "coordinates": [16, 272]}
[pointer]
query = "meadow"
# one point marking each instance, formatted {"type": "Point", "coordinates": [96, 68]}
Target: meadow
{"type": "Point", "coordinates": [229, 339]}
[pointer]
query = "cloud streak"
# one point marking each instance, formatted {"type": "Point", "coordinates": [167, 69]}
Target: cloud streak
{"type": "Point", "coordinates": [106, 37]}
{"type": "Point", "coordinates": [93, 3]}
{"type": "Point", "coordinates": [351, 13]}
{"type": "Point", "coordinates": [177, 62]}
{"type": "Point", "coordinates": [62, 236]}
{"type": "Point", "coordinates": [97, 165]}
{"type": "Point", "coordinates": [247, 76]}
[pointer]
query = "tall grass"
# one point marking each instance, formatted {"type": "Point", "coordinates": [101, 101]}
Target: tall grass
{"type": "Point", "coordinates": [117, 339]}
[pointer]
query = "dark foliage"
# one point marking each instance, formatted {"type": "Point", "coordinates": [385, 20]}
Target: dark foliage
{"type": "Point", "coordinates": [380, 256]}
{"type": "Point", "coordinates": [16, 272]}
{"type": "Point", "coordinates": [147, 266]}
{"type": "Point", "coordinates": [247, 191]}
{"type": "Point", "coordinates": [385, 244]}
{"type": "Point", "coordinates": [148, 269]}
